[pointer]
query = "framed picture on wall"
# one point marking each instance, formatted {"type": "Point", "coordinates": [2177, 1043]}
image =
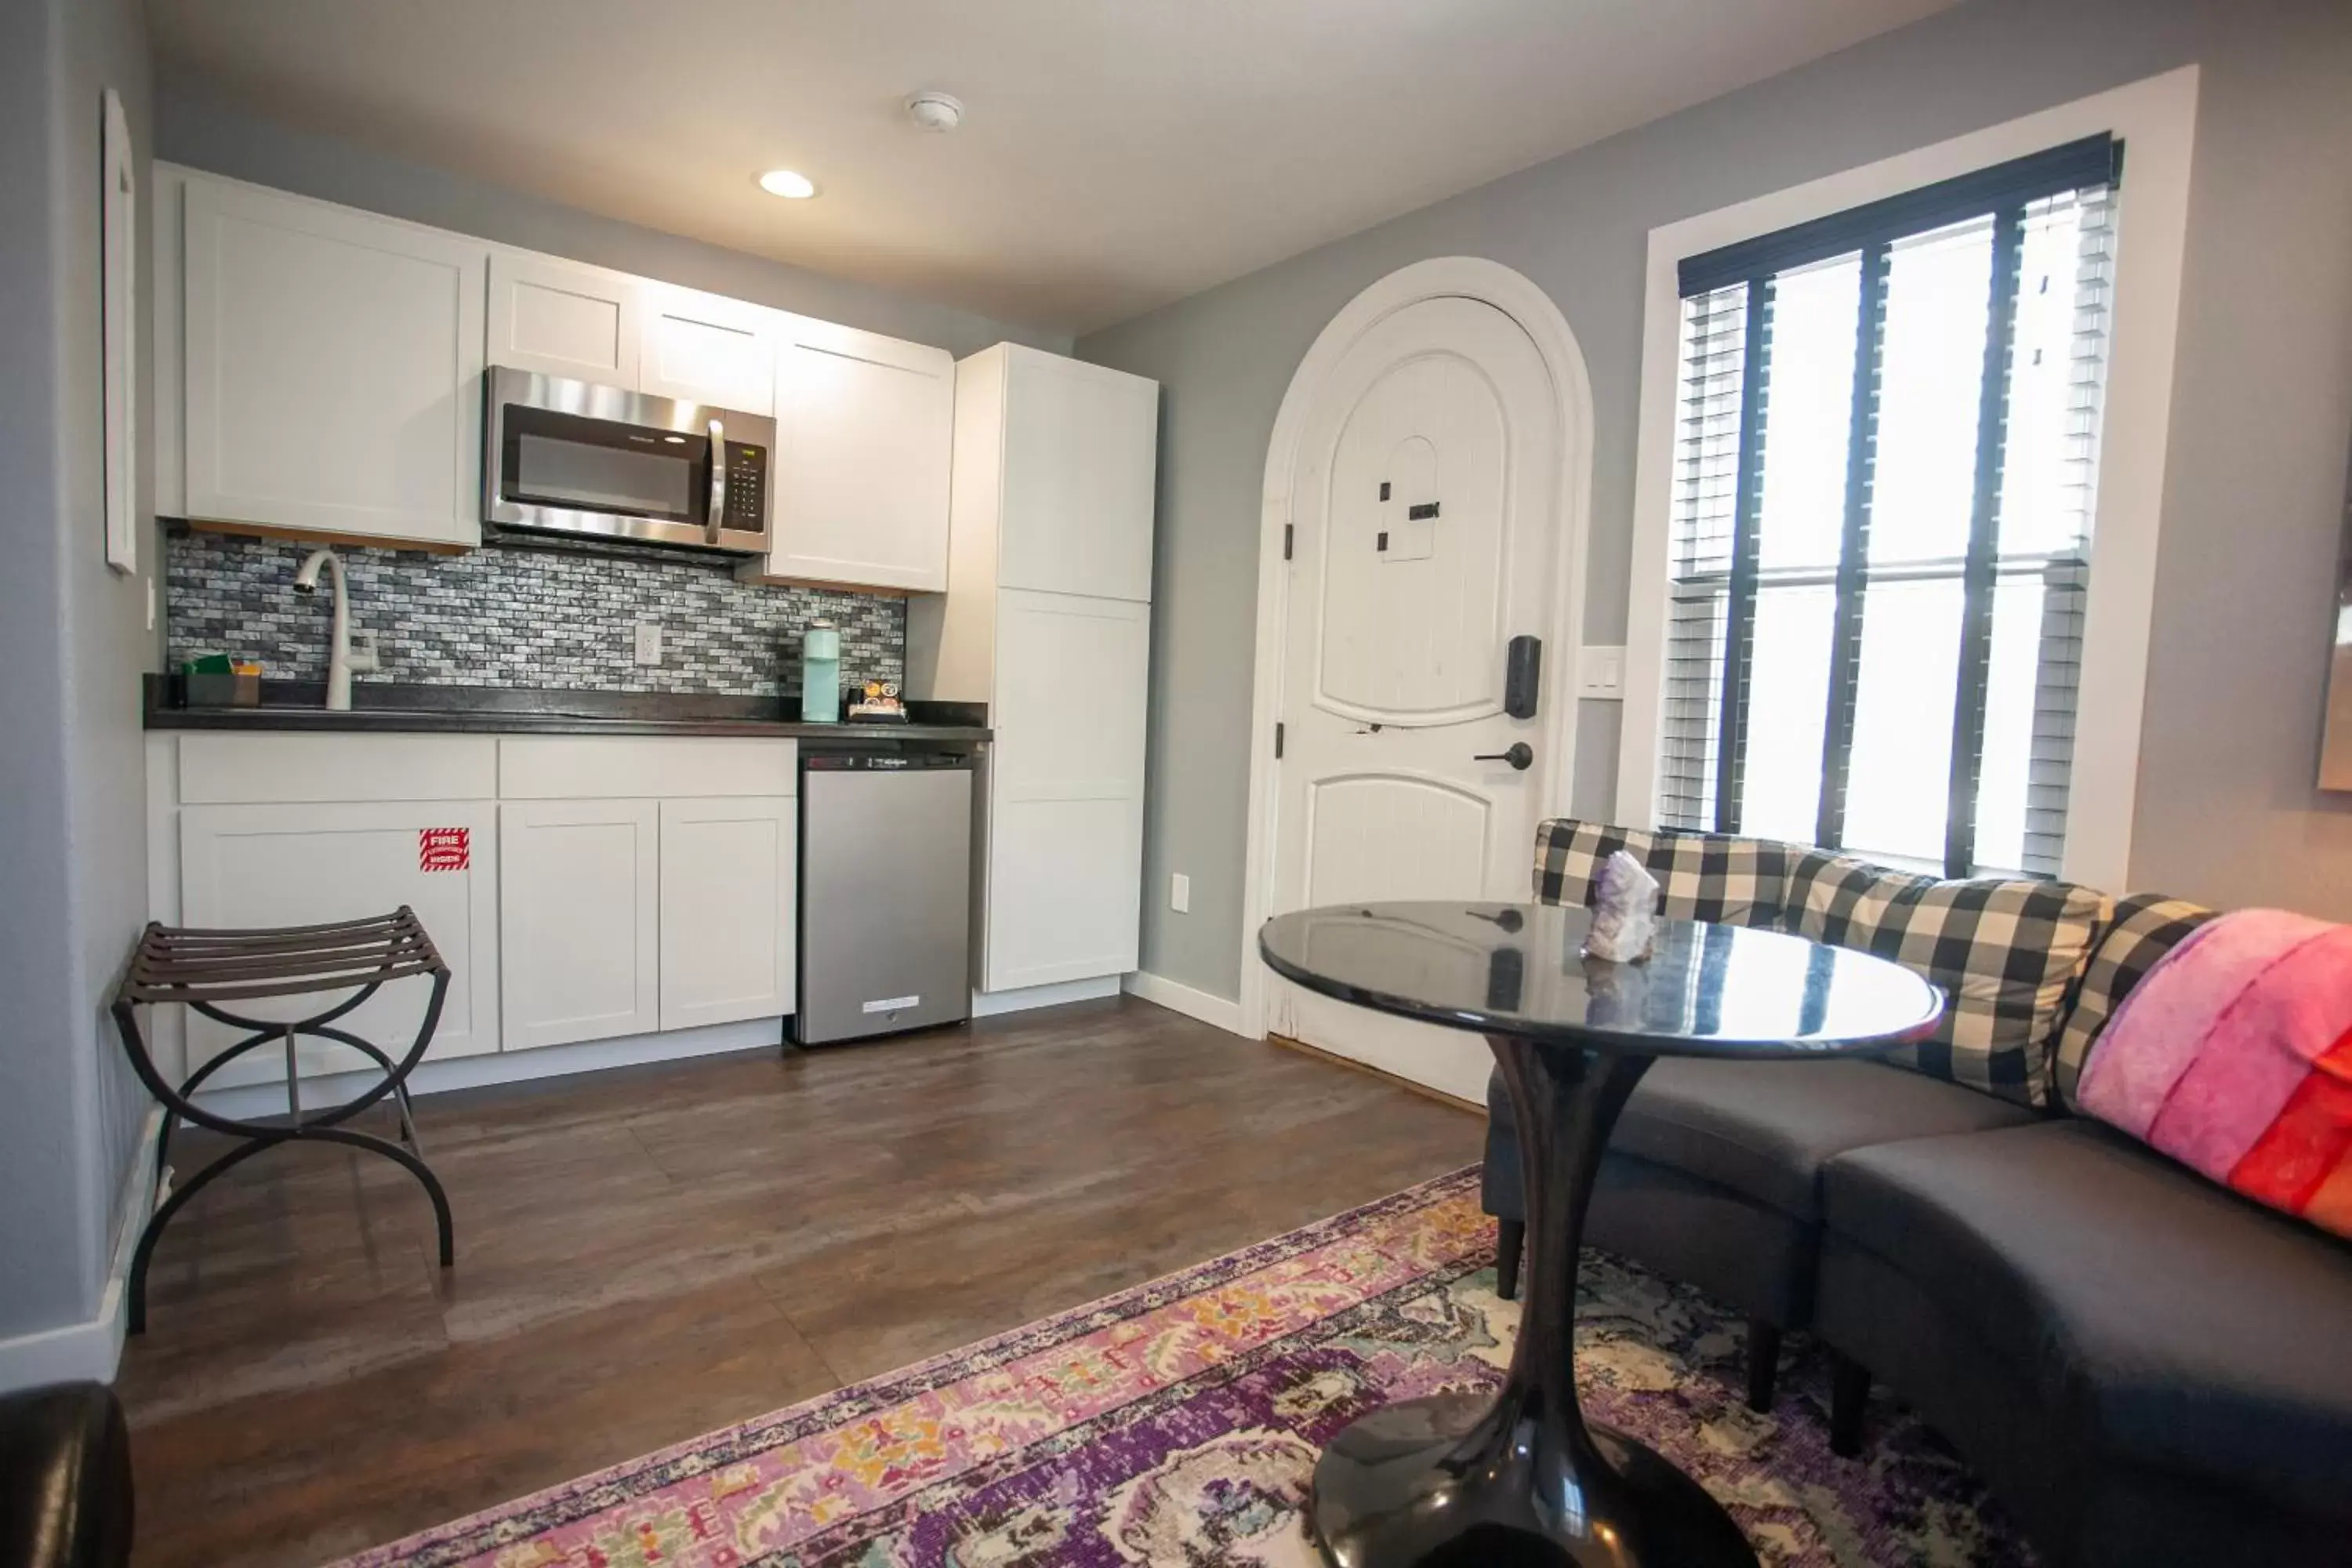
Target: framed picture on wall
{"type": "Point", "coordinates": [120, 222]}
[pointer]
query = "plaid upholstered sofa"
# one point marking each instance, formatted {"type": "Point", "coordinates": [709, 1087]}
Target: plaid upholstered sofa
{"type": "Point", "coordinates": [2146, 1368]}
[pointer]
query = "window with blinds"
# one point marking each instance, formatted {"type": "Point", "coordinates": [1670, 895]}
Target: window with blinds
{"type": "Point", "coordinates": [1886, 445]}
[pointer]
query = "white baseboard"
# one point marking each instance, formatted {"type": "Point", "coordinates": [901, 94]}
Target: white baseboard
{"type": "Point", "coordinates": [1180, 998]}
{"type": "Point", "coordinates": [989, 1004]}
{"type": "Point", "coordinates": [92, 1349]}
{"type": "Point", "coordinates": [507, 1066]}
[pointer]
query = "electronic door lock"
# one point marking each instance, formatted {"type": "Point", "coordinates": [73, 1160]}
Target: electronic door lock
{"type": "Point", "coordinates": [1523, 677]}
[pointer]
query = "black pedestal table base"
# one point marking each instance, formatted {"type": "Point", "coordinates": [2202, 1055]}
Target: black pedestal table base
{"type": "Point", "coordinates": [1522, 1479]}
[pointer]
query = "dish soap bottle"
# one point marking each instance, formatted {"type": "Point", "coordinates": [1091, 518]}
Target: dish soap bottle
{"type": "Point", "coordinates": [821, 674]}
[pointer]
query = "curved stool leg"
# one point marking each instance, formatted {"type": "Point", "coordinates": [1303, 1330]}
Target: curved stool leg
{"type": "Point", "coordinates": [414, 1166]}
{"type": "Point", "coordinates": [153, 1230]}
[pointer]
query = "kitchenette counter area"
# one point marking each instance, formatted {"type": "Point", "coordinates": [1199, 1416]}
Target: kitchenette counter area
{"type": "Point", "coordinates": [390, 708]}
{"type": "Point", "coordinates": [610, 877]}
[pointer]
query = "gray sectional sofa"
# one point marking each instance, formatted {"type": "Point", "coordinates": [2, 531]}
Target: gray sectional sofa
{"type": "Point", "coordinates": [2146, 1368]}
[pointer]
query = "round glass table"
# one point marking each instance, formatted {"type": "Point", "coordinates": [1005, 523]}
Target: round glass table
{"type": "Point", "coordinates": [1522, 1477]}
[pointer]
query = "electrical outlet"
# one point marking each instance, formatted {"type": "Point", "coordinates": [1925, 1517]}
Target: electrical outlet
{"type": "Point", "coordinates": [648, 642]}
{"type": "Point", "coordinates": [1180, 892]}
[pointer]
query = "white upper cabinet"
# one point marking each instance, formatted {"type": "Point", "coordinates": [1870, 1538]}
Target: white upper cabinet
{"type": "Point", "coordinates": [319, 372]}
{"type": "Point", "coordinates": [864, 429]}
{"type": "Point", "coordinates": [559, 318]}
{"type": "Point", "coordinates": [326, 374]}
{"type": "Point", "coordinates": [1080, 445]}
{"type": "Point", "coordinates": [703, 347]}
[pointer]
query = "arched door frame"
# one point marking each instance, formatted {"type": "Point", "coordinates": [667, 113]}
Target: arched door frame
{"type": "Point", "coordinates": [1446, 277]}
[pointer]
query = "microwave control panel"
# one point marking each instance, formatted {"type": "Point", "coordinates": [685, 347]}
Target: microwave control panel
{"type": "Point", "coordinates": [746, 488]}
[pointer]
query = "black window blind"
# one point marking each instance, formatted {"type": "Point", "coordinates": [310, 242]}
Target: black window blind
{"type": "Point", "coordinates": [1885, 455]}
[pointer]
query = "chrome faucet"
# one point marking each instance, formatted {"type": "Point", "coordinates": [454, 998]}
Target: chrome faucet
{"type": "Point", "coordinates": [341, 657]}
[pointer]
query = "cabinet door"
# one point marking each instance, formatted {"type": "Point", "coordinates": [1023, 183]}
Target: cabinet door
{"type": "Point", "coordinates": [727, 898]}
{"type": "Point", "coordinates": [865, 428]}
{"type": "Point", "coordinates": [578, 919]}
{"type": "Point", "coordinates": [1081, 445]}
{"type": "Point", "coordinates": [250, 865]}
{"type": "Point", "coordinates": [558, 318]}
{"type": "Point", "coordinates": [702, 348]}
{"type": "Point", "coordinates": [1065, 788]}
{"type": "Point", "coordinates": [332, 379]}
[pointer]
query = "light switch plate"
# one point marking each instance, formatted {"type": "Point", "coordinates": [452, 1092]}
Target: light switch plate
{"type": "Point", "coordinates": [1600, 672]}
{"type": "Point", "coordinates": [1180, 892]}
{"type": "Point", "coordinates": [648, 642]}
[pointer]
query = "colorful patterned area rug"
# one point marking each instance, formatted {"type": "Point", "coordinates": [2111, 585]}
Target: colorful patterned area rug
{"type": "Point", "coordinates": [1178, 1423]}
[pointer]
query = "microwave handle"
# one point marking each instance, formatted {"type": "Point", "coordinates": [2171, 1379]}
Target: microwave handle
{"type": "Point", "coordinates": [718, 519]}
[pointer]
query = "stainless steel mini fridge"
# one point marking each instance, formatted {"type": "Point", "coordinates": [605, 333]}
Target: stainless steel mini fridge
{"type": "Point", "coordinates": [886, 893]}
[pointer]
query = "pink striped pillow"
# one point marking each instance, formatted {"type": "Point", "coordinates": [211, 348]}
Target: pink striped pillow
{"type": "Point", "coordinates": [2234, 1057]}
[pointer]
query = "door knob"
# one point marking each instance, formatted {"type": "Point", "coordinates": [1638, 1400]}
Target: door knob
{"type": "Point", "coordinates": [1521, 756]}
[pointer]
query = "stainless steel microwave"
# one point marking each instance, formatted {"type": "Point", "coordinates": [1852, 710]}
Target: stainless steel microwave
{"type": "Point", "coordinates": [573, 457]}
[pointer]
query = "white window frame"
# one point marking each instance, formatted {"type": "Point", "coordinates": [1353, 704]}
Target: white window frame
{"type": "Point", "coordinates": [2156, 121]}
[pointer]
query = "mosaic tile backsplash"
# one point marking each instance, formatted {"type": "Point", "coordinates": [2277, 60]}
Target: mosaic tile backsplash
{"type": "Point", "coordinates": [518, 617]}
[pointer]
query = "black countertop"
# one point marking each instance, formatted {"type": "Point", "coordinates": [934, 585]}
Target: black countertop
{"type": "Point", "coordinates": [383, 707]}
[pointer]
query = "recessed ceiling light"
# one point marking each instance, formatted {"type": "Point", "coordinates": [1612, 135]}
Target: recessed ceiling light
{"type": "Point", "coordinates": [787, 183]}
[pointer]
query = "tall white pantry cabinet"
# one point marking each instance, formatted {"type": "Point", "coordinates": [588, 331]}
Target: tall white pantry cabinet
{"type": "Point", "coordinates": [1047, 619]}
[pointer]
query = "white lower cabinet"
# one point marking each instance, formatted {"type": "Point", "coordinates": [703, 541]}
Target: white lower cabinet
{"type": "Point", "coordinates": [306, 864]}
{"type": "Point", "coordinates": [666, 903]}
{"type": "Point", "coordinates": [579, 920]}
{"type": "Point", "coordinates": [728, 890]}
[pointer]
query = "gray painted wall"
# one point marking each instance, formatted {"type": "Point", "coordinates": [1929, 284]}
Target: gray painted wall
{"type": "Point", "coordinates": [199, 130]}
{"type": "Point", "coordinates": [2256, 470]}
{"type": "Point", "coordinates": [73, 640]}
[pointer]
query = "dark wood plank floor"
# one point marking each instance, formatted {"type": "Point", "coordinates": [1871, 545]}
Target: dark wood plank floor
{"type": "Point", "coordinates": [647, 1254]}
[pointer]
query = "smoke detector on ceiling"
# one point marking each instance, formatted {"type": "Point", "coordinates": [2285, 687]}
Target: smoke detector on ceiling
{"type": "Point", "coordinates": [935, 111]}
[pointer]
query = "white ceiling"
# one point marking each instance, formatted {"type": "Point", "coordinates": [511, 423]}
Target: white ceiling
{"type": "Point", "coordinates": [1116, 155]}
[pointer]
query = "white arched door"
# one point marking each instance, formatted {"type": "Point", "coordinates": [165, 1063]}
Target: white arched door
{"type": "Point", "coordinates": [1426, 530]}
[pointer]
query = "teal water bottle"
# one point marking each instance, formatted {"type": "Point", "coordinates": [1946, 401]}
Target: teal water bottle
{"type": "Point", "coordinates": [821, 674]}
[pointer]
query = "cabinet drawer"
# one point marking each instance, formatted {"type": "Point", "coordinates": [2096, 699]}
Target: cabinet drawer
{"type": "Point", "coordinates": [238, 770]}
{"type": "Point", "coordinates": [592, 767]}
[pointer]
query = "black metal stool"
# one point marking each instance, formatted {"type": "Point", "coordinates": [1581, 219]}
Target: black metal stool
{"type": "Point", "coordinates": [203, 968]}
